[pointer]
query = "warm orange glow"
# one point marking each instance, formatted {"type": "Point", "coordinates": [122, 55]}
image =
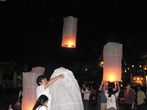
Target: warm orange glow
{"type": "Point", "coordinates": [101, 63]}
{"type": "Point", "coordinates": [69, 41]}
{"type": "Point", "coordinates": [138, 80]}
{"type": "Point", "coordinates": [111, 76]}
{"type": "Point", "coordinates": [145, 67]}
{"type": "Point", "coordinates": [69, 32]}
{"type": "Point", "coordinates": [29, 87]}
{"type": "Point", "coordinates": [112, 55]}
{"type": "Point", "coordinates": [28, 106]}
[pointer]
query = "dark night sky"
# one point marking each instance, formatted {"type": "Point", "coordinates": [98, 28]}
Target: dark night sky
{"type": "Point", "coordinates": [32, 31]}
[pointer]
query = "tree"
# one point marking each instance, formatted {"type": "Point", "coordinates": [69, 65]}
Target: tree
{"type": "Point", "coordinates": [7, 70]}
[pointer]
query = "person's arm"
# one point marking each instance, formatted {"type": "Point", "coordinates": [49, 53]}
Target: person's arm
{"type": "Point", "coordinates": [123, 98]}
{"type": "Point", "coordinates": [115, 86]}
{"type": "Point", "coordinates": [104, 87]}
{"type": "Point", "coordinates": [83, 91]}
{"type": "Point", "coordinates": [143, 95]}
{"type": "Point", "coordinates": [118, 87]}
{"type": "Point", "coordinates": [83, 88]}
{"type": "Point", "coordinates": [87, 90]}
{"type": "Point", "coordinates": [133, 99]}
{"type": "Point", "coordinates": [100, 88]}
{"type": "Point", "coordinates": [51, 81]}
{"type": "Point", "coordinates": [132, 105]}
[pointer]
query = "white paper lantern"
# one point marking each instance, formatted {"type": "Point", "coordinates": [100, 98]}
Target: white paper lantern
{"type": "Point", "coordinates": [69, 32]}
{"type": "Point", "coordinates": [112, 55]}
{"type": "Point", "coordinates": [29, 87]}
{"type": "Point", "coordinates": [65, 92]}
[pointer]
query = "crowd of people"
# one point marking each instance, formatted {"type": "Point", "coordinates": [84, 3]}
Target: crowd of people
{"type": "Point", "coordinates": [102, 97]}
{"type": "Point", "coordinates": [108, 95]}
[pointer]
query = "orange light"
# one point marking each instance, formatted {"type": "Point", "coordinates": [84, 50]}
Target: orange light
{"type": "Point", "coordinates": [29, 87]}
{"type": "Point", "coordinates": [27, 106]}
{"type": "Point", "coordinates": [138, 80]}
{"type": "Point", "coordinates": [112, 55]}
{"type": "Point", "coordinates": [111, 76]}
{"type": "Point", "coordinates": [69, 32]}
{"type": "Point", "coordinates": [69, 41]}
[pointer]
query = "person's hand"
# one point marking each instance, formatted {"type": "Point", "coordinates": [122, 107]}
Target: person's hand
{"type": "Point", "coordinates": [132, 107]}
{"type": "Point", "coordinates": [105, 82]}
{"type": "Point", "coordinates": [122, 99]}
{"type": "Point", "coordinates": [115, 82]}
{"type": "Point", "coordinates": [61, 76]}
{"type": "Point", "coordinates": [102, 82]}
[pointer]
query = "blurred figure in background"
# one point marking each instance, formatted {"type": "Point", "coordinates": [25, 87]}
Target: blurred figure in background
{"type": "Point", "coordinates": [93, 100]}
{"type": "Point", "coordinates": [129, 98]}
{"type": "Point", "coordinates": [8, 106]}
{"type": "Point", "coordinates": [86, 92]}
{"type": "Point", "coordinates": [140, 98]}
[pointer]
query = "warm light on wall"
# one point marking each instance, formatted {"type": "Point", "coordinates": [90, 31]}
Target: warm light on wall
{"type": "Point", "coordinates": [28, 106]}
{"type": "Point", "coordinates": [138, 80]}
{"type": "Point", "coordinates": [112, 55]}
{"type": "Point", "coordinates": [101, 63]}
{"type": "Point", "coordinates": [69, 32]}
{"type": "Point", "coordinates": [145, 67]}
{"type": "Point", "coordinates": [29, 87]}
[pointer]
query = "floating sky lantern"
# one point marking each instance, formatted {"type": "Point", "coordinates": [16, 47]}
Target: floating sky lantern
{"type": "Point", "coordinates": [69, 32]}
{"type": "Point", "coordinates": [112, 55]}
{"type": "Point", "coordinates": [29, 87]}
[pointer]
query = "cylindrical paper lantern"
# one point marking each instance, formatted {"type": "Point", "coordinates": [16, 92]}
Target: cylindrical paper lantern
{"type": "Point", "coordinates": [29, 87]}
{"type": "Point", "coordinates": [112, 55]}
{"type": "Point", "coordinates": [69, 32]}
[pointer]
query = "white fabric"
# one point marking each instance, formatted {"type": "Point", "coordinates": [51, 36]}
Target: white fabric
{"type": "Point", "coordinates": [140, 97]}
{"type": "Point", "coordinates": [69, 32]}
{"type": "Point", "coordinates": [41, 91]}
{"type": "Point", "coordinates": [86, 94]}
{"type": "Point", "coordinates": [112, 55]}
{"type": "Point", "coordinates": [66, 93]}
{"type": "Point", "coordinates": [29, 88]}
{"type": "Point", "coordinates": [41, 108]}
{"type": "Point", "coordinates": [111, 101]}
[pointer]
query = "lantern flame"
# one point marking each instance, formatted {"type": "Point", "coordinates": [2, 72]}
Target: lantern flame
{"type": "Point", "coordinates": [69, 41]}
{"type": "Point", "coordinates": [69, 32]}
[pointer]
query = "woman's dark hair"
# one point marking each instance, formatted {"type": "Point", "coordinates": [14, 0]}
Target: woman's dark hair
{"type": "Point", "coordinates": [127, 84]}
{"type": "Point", "coordinates": [39, 79]}
{"type": "Point", "coordinates": [40, 101]}
{"type": "Point", "coordinates": [6, 105]}
{"type": "Point", "coordinates": [110, 92]}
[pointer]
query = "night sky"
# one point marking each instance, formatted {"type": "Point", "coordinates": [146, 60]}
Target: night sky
{"type": "Point", "coordinates": [32, 31]}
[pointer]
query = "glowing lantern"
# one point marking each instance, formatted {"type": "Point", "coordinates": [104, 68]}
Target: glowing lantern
{"type": "Point", "coordinates": [29, 87]}
{"type": "Point", "coordinates": [69, 32]}
{"type": "Point", "coordinates": [112, 55]}
{"type": "Point", "coordinates": [138, 80]}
